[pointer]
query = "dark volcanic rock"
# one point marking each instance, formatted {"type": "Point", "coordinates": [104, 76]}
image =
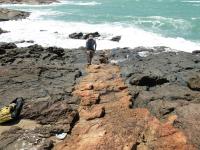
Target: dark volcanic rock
{"type": "Point", "coordinates": [23, 41]}
{"type": "Point", "coordinates": [81, 35]}
{"type": "Point", "coordinates": [55, 113]}
{"type": "Point", "coordinates": [196, 51]}
{"type": "Point", "coordinates": [45, 78]}
{"type": "Point", "coordinates": [148, 81]}
{"type": "Point", "coordinates": [4, 45]}
{"type": "Point", "coordinates": [116, 38]}
{"type": "Point", "coordinates": [120, 55]}
{"type": "Point", "coordinates": [100, 58]}
{"type": "Point", "coordinates": [76, 35]}
{"type": "Point", "coordinates": [94, 34]}
{"type": "Point", "coordinates": [166, 83]}
{"type": "Point", "coordinates": [51, 76]}
{"type": "Point", "coordinates": [2, 31]}
{"type": "Point", "coordinates": [8, 14]}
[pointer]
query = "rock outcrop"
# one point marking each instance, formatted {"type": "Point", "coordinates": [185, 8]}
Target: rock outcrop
{"type": "Point", "coordinates": [28, 1]}
{"type": "Point", "coordinates": [45, 78]}
{"type": "Point", "coordinates": [116, 38]}
{"type": "Point", "coordinates": [8, 14]}
{"type": "Point", "coordinates": [2, 31]}
{"type": "Point", "coordinates": [166, 83]}
{"type": "Point", "coordinates": [81, 35]}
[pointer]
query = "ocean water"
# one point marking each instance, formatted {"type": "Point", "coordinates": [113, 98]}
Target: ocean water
{"type": "Point", "coordinates": [172, 23]}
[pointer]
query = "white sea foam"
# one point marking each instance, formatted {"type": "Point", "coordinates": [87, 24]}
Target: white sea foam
{"type": "Point", "coordinates": [191, 1]}
{"type": "Point", "coordinates": [55, 33]}
{"type": "Point", "coordinates": [82, 3]}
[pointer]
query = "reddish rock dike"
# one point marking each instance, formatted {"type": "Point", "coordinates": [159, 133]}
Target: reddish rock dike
{"type": "Point", "coordinates": [108, 122]}
{"type": "Point", "coordinates": [138, 103]}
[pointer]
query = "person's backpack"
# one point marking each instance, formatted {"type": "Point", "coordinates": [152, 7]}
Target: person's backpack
{"type": "Point", "coordinates": [12, 111]}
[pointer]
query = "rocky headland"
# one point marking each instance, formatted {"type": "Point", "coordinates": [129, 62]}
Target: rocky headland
{"type": "Point", "coordinates": [27, 1]}
{"type": "Point", "coordinates": [142, 98]}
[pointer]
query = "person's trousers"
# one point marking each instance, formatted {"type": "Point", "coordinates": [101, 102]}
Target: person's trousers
{"type": "Point", "coordinates": [90, 54]}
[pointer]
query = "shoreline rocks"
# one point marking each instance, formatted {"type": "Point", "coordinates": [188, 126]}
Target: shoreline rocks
{"type": "Point", "coordinates": [8, 14]}
{"type": "Point", "coordinates": [84, 36]}
{"type": "Point", "coordinates": [116, 38]}
{"type": "Point", "coordinates": [81, 35]}
{"type": "Point", "coordinates": [45, 78]}
{"type": "Point", "coordinates": [166, 83]}
{"type": "Point", "coordinates": [33, 2]}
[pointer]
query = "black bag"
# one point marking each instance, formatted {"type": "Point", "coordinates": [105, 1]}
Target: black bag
{"type": "Point", "coordinates": [18, 107]}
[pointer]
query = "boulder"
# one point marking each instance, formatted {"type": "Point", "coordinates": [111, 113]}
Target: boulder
{"type": "Point", "coordinates": [2, 31]}
{"type": "Point", "coordinates": [94, 34]}
{"type": "Point", "coordinates": [196, 52]}
{"type": "Point", "coordinates": [4, 45]}
{"type": "Point", "coordinates": [194, 82]}
{"type": "Point", "coordinates": [76, 35]}
{"type": "Point", "coordinates": [8, 14]}
{"type": "Point", "coordinates": [81, 35]}
{"type": "Point", "coordinates": [116, 38]}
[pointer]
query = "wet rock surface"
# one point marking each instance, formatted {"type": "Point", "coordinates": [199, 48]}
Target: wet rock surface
{"type": "Point", "coordinates": [45, 78]}
{"type": "Point", "coordinates": [8, 14]}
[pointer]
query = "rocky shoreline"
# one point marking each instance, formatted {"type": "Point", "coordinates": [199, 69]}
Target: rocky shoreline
{"type": "Point", "coordinates": [166, 84]}
{"type": "Point", "coordinates": [32, 2]}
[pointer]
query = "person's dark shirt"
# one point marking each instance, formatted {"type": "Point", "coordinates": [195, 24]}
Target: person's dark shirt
{"type": "Point", "coordinates": [91, 44]}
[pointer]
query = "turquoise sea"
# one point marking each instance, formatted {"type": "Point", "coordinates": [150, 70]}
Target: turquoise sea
{"type": "Point", "coordinates": [173, 23]}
